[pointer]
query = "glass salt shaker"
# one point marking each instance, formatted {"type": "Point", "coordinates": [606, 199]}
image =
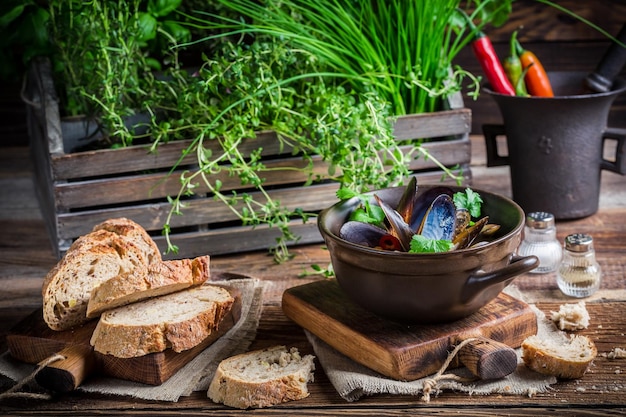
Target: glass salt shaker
{"type": "Point", "coordinates": [540, 240]}
{"type": "Point", "coordinates": [579, 274]}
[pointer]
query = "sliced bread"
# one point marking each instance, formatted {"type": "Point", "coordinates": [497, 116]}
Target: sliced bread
{"type": "Point", "coordinates": [568, 360]}
{"type": "Point", "coordinates": [159, 278]}
{"type": "Point", "coordinates": [262, 378]}
{"type": "Point", "coordinates": [179, 321]}
{"type": "Point", "coordinates": [90, 260]}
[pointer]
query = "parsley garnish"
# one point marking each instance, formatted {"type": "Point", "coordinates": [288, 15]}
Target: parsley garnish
{"type": "Point", "coordinates": [469, 200]}
{"type": "Point", "coordinates": [421, 244]}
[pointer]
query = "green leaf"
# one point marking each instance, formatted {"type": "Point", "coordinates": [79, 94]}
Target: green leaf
{"type": "Point", "coordinates": [147, 27]}
{"type": "Point", "coordinates": [421, 244]}
{"type": "Point", "coordinates": [12, 14]}
{"type": "Point", "coordinates": [179, 33]}
{"type": "Point", "coordinates": [162, 7]}
{"type": "Point", "coordinates": [470, 200]}
{"type": "Point", "coordinates": [346, 193]}
{"type": "Point", "coordinates": [153, 63]}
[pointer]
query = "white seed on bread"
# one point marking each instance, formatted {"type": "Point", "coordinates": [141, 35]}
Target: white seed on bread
{"type": "Point", "coordinates": [571, 316]}
{"type": "Point", "coordinates": [157, 279]}
{"type": "Point", "coordinates": [90, 260]}
{"type": "Point", "coordinates": [262, 378]}
{"type": "Point", "coordinates": [567, 360]}
{"type": "Point", "coordinates": [179, 321]}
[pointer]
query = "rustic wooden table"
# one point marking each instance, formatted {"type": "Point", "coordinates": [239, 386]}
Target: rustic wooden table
{"type": "Point", "coordinates": [26, 256]}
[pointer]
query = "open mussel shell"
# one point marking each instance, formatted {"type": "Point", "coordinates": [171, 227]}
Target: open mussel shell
{"type": "Point", "coordinates": [408, 202]}
{"type": "Point", "coordinates": [468, 236]}
{"type": "Point", "coordinates": [397, 226]}
{"type": "Point", "coordinates": [440, 219]}
{"type": "Point", "coordinates": [463, 219]}
{"type": "Point", "coordinates": [365, 234]}
{"type": "Point", "coordinates": [423, 201]}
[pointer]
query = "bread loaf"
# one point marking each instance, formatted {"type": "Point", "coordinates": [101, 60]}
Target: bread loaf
{"type": "Point", "coordinates": [178, 321]}
{"type": "Point", "coordinates": [91, 260]}
{"type": "Point", "coordinates": [262, 378]}
{"type": "Point", "coordinates": [567, 361]}
{"type": "Point", "coordinates": [157, 279]}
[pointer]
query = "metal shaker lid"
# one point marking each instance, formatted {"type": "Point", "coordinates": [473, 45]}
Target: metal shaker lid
{"type": "Point", "coordinates": [578, 242]}
{"type": "Point", "coordinates": [539, 220]}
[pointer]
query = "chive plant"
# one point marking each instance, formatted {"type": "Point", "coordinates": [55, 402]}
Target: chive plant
{"type": "Point", "coordinates": [402, 50]}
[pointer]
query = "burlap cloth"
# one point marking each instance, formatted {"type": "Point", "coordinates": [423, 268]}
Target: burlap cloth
{"type": "Point", "coordinates": [196, 375]}
{"type": "Point", "coordinates": [353, 380]}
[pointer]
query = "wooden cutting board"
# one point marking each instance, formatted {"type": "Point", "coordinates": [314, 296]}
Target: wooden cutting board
{"type": "Point", "coordinates": [409, 352]}
{"type": "Point", "coordinates": [32, 341]}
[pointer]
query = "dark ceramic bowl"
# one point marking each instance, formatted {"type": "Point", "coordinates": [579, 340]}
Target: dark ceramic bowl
{"type": "Point", "coordinates": [427, 288]}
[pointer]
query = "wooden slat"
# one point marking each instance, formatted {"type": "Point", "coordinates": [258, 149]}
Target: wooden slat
{"type": "Point", "coordinates": [142, 187]}
{"type": "Point", "coordinates": [207, 211]}
{"type": "Point", "coordinates": [137, 158]}
{"type": "Point", "coordinates": [431, 125]}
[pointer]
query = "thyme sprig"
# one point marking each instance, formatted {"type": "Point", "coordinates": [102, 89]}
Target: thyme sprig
{"type": "Point", "coordinates": [267, 85]}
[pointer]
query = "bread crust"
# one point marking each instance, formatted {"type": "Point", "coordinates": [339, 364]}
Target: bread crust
{"type": "Point", "coordinates": [285, 381]}
{"type": "Point", "coordinates": [133, 231]}
{"type": "Point", "coordinates": [570, 360]}
{"type": "Point", "coordinates": [158, 279]}
{"type": "Point", "coordinates": [132, 338]}
{"type": "Point", "coordinates": [92, 259]}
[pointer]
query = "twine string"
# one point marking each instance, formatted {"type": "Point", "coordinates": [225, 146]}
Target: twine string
{"type": "Point", "coordinates": [432, 384]}
{"type": "Point", "coordinates": [14, 392]}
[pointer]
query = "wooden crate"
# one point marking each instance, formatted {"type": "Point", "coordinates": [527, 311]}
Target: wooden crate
{"type": "Point", "coordinates": [80, 189]}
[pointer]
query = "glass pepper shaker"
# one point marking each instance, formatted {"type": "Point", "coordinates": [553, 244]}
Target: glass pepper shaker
{"type": "Point", "coordinates": [540, 240]}
{"type": "Point", "coordinates": [579, 274]}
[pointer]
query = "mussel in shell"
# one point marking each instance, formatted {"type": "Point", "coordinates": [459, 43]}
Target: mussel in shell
{"type": "Point", "coordinates": [431, 213]}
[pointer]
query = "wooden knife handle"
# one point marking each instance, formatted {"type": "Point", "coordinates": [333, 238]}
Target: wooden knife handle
{"type": "Point", "coordinates": [67, 374]}
{"type": "Point", "coordinates": [488, 359]}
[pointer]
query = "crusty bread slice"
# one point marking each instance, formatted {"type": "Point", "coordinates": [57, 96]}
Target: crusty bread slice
{"type": "Point", "coordinates": [90, 260]}
{"type": "Point", "coordinates": [179, 321]}
{"type": "Point", "coordinates": [135, 232]}
{"type": "Point", "coordinates": [262, 378]}
{"type": "Point", "coordinates": [567, 361]}
{"type": "Point", "coordinates": [158, 279]}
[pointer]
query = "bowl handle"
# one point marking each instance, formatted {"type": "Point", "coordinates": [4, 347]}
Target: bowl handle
{"type": "Point", "coordinates": [481, 280]}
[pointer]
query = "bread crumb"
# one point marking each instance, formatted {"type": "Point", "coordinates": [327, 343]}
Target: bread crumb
{"type": "Point", "coordinates": [571, 316]}
{"type": "Point", "coordinates": [617, 353]}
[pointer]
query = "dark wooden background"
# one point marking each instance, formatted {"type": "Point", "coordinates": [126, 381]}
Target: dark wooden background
{"type": "Point", "coordinates": [561, 42]}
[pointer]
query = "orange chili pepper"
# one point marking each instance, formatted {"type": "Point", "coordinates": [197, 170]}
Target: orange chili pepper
{"type": "Point", "coordinates": [536, 79]}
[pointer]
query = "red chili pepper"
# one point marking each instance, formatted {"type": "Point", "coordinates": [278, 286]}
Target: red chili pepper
{"type": "Point", "coordinates": [389, 242]}
{"type": "Point", "coordinates": [537, 81]}
{"type": "Point", "coordinates": [492, 68]}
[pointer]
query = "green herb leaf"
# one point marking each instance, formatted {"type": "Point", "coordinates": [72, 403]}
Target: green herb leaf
{"type": "Point", "coordinates": [421, 244]}
{"type": "Point", "coordinates": [346, 193]}
{"type": "Point", "coordinates": [179, 33]}
{"type": "Point", "coordinates": [147, 27]}
{"type": "Point", "coordinates": [162, 7]}
{"type": "Point", "coordinates": [469, 200]}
